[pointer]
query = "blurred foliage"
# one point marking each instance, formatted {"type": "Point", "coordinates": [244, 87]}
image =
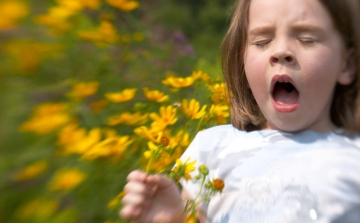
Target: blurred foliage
{"type": "Point", "coordinates": [86, 85]}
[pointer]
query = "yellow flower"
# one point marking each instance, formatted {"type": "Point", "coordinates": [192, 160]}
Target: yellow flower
{"type": "Point", "coordinates": [11, 11]}
{"type": "Point", "coordinates": [219, 93]}
{"type": "Point", "coordinates": [108, 132]}
{"type": "Point", "coordinates": [164, 163]}
{"type": "Point", "coordinates": [153, 148]}
{"type": "Point", "coordinates": [78, 5]}
{"type": "Point", "coordinates": [105, 33]}
{"type": "Point", "coordinates": [160, 159]}
{"type": "Point", "coordinates": [93, 4]}
{"type": "Point", "coordinates": [31, 171]}
{"type": "Point", "coordinates": [83, 90]}
{"type": "Point", "coordinates": [50, 108]}
{"type": "Point", "coordinates": [178, 82]}
{"type": "Point", "coordinates": [220, 113]}
{"type": "Point", "coordinates": [150, 133]}
{"type": "Point", "coordinates": [190, 219]}
{"type": "Point", "coordinates": [109, 147]}
{"type": "Point", "coordinates": [70, 134]}
{"type": "Point", "coordinates": [28, 55]}
{"type": "Point", "coordinates": [218, 88]}
{"type": "Point", "coordinates": [127, 118]}
{"type": "Point", "coordinates": [40, 209]}
{"type": "Point", "coordinates": [181, 138]}
{"type": "Point", "coordinates": [183, 169]}
{"type": "Point", "coordinates": [202, 76]}
{"type": "Point", "coordinates": [66, 179]}
{"type": "Point", "coordinates": [192, 109]}
{"type": "Point", "coordinates": [61, 13]}
{"type": "Point", "coordinates": [122, 143]}
{"type": "Point", "coordinates": [219, 110]}
{"type": "Point", "coordinates": [108, 32]}
{"type": "Point", "coordinates": [74, 140]}
{"type": "Point", "coordinates": [218, 184]}
{"type": "Point", "coordinates": [56, 18]}
{"type": "Point", "coordinates": [155, 95]}
{"type": "Point", "coordinates": [124, 5]}
{"type": "Point", "coordinates": [163, 152]}
{"type": "Point", "coordinates": [162, 139]}
{"type": "Point", "coordinates": [125, 95]}
{"type": "Point", "coordinates": [71, 5]}
{"type": "Point", "coordinates": [166, 116]}
{"type": "Point", "coordinates": [46, 118]}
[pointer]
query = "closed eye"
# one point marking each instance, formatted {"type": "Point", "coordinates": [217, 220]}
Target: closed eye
{"type": "Point", "coordinates": [307, 41]}
{"type": "Point", "coordinates": [262, 44]}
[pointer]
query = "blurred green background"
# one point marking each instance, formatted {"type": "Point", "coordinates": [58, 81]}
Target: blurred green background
{"type": "Point", "coordinates": [48, 46]}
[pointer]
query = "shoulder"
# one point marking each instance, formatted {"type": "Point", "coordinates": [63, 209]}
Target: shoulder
{"type": "Point", "coordinates": [355, 140]}
{"type": "Point", "coordinates": [218, 135]}
{"type": "Point", "coordinates": [221, 130]}
{"type": "Point", "coordinates": [212, 139]}
{"type": "Point", "coordinates": [218, 138]}
{"type": "Point", "coordinates": [346, 140]}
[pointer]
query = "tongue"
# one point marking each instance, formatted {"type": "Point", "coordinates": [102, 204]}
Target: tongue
{"type": "Point", "coordinates": [285, 96]}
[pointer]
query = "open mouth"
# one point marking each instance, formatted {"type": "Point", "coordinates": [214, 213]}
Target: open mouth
{"type": "Point", "coordinates": [285, 96]}
{"type": "Point", "coordinates": [285, 93]}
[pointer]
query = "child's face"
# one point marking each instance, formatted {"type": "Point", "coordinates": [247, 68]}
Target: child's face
{"type": "Point", "coordinates": [293, 60]}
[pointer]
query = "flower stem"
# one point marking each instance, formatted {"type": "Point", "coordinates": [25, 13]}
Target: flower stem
{"type": "Point", "coordinates": [199, 124]}
{"type": "Point", "coordinates": [201, 187]}
{"type": "Point", "coordinates": [148, 166]}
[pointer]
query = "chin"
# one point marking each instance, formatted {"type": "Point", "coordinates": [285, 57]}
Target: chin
{"type": "Point", "coordinates": [287, 128]}
{"type": "Point", "coordinates": [291, 130]}
{"type": "Point", "coordinates": [298, 127]}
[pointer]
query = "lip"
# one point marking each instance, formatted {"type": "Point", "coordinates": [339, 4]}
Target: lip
{"type": "Point", "coordinates": [283, 108]}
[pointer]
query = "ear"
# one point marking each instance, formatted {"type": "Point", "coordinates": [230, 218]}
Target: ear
{"type": "Point", "coordinates": [348, 70]}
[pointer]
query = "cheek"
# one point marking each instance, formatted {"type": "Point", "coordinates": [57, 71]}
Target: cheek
{"type": "Point", "coordinates": [318, 84]}
{"type": "Point", "coordinates": [255, 70]}
{"type": "Point", "coordinates": [321, 72]}
{"type": "Point", "coordinates": [254, 67]}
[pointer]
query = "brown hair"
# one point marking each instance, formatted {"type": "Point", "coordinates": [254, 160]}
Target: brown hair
{"type": "Point", "coordinates": [245, 113]}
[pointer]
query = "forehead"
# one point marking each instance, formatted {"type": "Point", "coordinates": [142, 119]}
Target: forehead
{"type": "Point", "coordinates": [274, 12]}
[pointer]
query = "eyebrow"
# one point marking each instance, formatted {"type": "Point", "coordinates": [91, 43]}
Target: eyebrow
{"type": "Point", "coordinates": [265, 30]}
{"type": "Point", "coordinates": [261, 30]}
{"type": "Point", "coordinates": [307, 28]}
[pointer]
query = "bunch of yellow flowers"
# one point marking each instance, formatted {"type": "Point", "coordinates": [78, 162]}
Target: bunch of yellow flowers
{"type": "Point", "coordinates": [155, 135]}
{"type": "Point", "coordinates": [88, 131]}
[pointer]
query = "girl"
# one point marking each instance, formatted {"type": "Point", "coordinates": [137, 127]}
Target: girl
{"type": "Point", "coordinates": [291, 70]}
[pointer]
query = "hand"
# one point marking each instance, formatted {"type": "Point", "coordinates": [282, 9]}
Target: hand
{"type": "Point", "coordinates": [152, 198]}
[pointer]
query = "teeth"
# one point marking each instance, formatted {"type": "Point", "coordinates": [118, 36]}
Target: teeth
{"type": "Point", "coordinates": [283, 82]}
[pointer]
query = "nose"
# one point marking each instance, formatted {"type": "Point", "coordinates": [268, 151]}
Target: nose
{"type": "Point", "coordinates": [281, 59]}
{"type": "Point", "coordinates": [282, 54]}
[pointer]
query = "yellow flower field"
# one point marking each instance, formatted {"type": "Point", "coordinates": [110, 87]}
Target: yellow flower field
{"type": "Point", "coordinates": [93, 89]}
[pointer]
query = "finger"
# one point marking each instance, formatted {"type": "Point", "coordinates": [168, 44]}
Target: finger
{"type": "Point", "coordinates": [137, 187]}
{"type": "Point", "coordinates": [159, 181]}
{"type": "Point", "coordinates": [130, 212]}
{"type": "Point", "coordinates": [135, 200]}
{"type": "Point", "coordinates": [137, 175]}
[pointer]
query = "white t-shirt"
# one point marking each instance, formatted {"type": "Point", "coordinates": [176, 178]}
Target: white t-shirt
{"type": "Point", "coordinates": [273, 176]}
